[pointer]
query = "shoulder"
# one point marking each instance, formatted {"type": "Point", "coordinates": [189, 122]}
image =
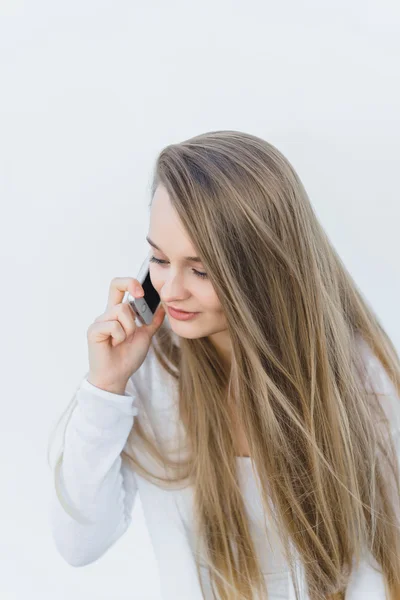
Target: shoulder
{"type": "Point", "coordinates": [377, 381]}
{"type": "Point", "coordinates": [154, 386]}
{"type": "Point", "coordinates": [156, 394]}
{"type": "Point", "coordinates": [376, 377]}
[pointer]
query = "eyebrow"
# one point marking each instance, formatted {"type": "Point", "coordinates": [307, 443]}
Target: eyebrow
{"type": "Point", "coordinates": [188, 258]}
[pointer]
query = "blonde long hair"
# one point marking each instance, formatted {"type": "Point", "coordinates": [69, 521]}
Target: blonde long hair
{"type": "Point", "coordinates": [318, 437]}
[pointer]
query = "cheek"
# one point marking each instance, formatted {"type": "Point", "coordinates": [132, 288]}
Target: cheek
{"type": "Point", "coordinates": [209, 300]}
{"type": "Point", "coordinates": [157, 281]}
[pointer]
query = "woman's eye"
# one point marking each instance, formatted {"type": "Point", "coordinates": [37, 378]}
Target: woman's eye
{"type": "Point", "coordinates": [164, 262]}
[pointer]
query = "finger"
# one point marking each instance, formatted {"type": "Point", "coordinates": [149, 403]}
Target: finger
{"type": "Point", "coordinates": [118, 287]}
{"type": "Point", "coordinates": [123, 313]}
{"type": "Point", "coordinates": [103, 330]}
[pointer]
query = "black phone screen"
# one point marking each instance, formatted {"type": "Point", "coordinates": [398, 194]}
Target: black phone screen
{"type": "Point", "coordinates": [150, 293]}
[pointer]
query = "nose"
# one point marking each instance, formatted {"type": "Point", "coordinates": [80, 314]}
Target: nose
{"type": "Point", "coordinates": [173, 291]}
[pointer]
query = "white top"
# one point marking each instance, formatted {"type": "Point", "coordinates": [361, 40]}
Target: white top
{"type": "Point", "coordinates": [102, 488]}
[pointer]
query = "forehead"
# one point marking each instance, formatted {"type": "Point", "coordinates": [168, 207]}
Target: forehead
{"type": "Point", "coordinates": [166, 231]}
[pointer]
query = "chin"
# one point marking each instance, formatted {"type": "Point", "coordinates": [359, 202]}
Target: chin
{"type": "Point", "coordinates": [185, 331]}
{"type": "Point", "coordinates": [191, 335]}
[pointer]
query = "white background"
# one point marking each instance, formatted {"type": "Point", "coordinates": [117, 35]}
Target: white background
{"type": "Point", "coordinates": [90, 93]}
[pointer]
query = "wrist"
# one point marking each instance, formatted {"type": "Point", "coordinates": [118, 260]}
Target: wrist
{"type": "Point", "coordinates": [112, 388]}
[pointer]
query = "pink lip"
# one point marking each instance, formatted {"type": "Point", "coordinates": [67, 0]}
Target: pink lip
{"type": "Point", "coordinates": [181, 310]}
{"type": "Point", "coordinates": [180, 315]}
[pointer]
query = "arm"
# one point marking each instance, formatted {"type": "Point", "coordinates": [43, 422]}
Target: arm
{"type": "Point", "coordinates": [94, 491]}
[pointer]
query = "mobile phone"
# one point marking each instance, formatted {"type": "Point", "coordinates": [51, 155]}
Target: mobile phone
{"type": "Point", "coordinates": [146, 306]}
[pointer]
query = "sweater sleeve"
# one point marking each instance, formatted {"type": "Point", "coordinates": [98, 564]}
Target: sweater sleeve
{"type": "Point", "coordinates": [94, 490]}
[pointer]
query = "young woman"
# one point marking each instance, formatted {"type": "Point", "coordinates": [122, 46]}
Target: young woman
{"type": "Point", "coordinates": [262, 432]}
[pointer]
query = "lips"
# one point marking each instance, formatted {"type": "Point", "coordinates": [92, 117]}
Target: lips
{"type": "Point", "coordinates": [182, 311]}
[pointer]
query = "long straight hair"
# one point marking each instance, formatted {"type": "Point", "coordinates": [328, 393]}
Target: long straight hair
{"type": "Point", "coordinates": [319, 436]}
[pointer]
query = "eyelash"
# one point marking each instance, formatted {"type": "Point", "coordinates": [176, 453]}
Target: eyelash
{"type": "Point", "coordinates": [163, 262]}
